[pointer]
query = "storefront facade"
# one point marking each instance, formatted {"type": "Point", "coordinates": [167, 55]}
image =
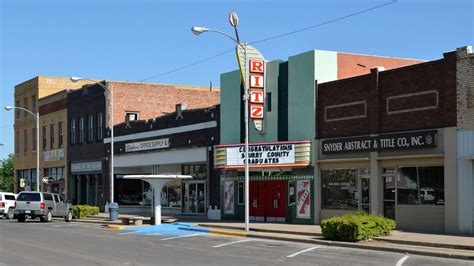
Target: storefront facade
{"type": "Point", "coordinates": [388, 145]}
{"type": "Point", "coordinates": [280, 192]}
{"type": "Point", "coordinates": [176, 143]}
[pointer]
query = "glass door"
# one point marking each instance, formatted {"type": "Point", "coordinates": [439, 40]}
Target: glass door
{"type": "Point", "coordinates": [389, 196]}
{"type": "Point", "coordinates": [195, 198]}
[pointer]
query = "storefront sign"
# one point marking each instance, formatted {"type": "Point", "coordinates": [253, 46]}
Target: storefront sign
{"type": "Point", "coordinates": [276, 154]}
{"type": "Point", "coordinates": [252, 60]}
{"type": "Point", "coordinates": [303, 210]}
{"type": "Point", "coordinates": [54, 155]}
{"type": "Point", "coordinates": [402, 141]}
{"type": "Point", "coordinates": [86, 167]}
{"type": "Point", "coordinates": [229, 197]}
{"type": "Point", "coordinates": [147, 145]}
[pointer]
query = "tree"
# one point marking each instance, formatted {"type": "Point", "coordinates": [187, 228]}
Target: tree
{"type": "Point", "coordinates": [7, 174]}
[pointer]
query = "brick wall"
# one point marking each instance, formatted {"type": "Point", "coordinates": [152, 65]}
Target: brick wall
{"type": "Point", "coordinates": [350, 65]}
{"type": "Point", "coordinates": [153, 100]}
{"type": "Point", "coordinates": [465, 88]}
{"type": "Point", "coordinates": [415, 97]}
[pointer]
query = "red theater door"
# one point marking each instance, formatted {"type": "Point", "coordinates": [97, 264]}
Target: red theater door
{"type": "Point", "coordinates": [268, 201]}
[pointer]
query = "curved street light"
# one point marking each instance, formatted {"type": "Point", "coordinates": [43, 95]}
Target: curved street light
{"type": "Point", "coordinates": [110, 90]}
{"type": "Point", "coordinates": [233, 19]}
{"type": "Point", "coordinates": [36, 116]}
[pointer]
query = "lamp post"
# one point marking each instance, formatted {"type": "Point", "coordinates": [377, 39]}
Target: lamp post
{"type": "Point", "coordinates": [111, 182]}
{"type": "Point", "coordinates": [200, 30]}
{"type": "Point", "coordinates": [36, 116]}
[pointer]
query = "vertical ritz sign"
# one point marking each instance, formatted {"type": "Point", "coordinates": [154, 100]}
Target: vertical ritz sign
{"type": "Point", "coordinates": [257, 91]}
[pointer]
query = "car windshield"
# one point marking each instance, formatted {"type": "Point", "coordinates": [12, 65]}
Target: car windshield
{"type": "Point", "coordinates": [29, 197]}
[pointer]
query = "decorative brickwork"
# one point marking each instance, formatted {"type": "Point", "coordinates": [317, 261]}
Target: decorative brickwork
{"type": "Point", "coordinates": [415, 97]}
{"type": "Point", "coordinates": [465, 88]}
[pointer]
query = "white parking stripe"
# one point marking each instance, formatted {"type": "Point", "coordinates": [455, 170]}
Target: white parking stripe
{"type": "Point", "coordinates": [302, 251]}
{"type": "Point", "coordinates": [402, 260]}
{"type": "Point", "coordinates": [132, 232]}
{"type": "Point", "coordinates": [175, 237]}
{"type": "Point", "coordinates": [231, 243]}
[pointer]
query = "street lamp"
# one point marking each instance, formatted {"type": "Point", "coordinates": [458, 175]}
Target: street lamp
{"type": "Point", "coordinates": [76, 79]}
{"type": "Point", "coordinates": [234, 21]}
{"type": "Point", "coordinates": [36, 116]}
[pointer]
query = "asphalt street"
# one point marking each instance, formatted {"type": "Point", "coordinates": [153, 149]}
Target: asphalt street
{"type": "Point", "coordinates": [63, 243]}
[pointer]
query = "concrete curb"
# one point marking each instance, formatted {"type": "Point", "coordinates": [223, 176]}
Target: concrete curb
{"type": "Point", "coordinates": [115, 227]}
{"type": "Point", "coordinates": [261, 230]}
{"type": "Point", "coordinates": [214, 231]}
{"type": "Point", "coordinates": [425, 244]}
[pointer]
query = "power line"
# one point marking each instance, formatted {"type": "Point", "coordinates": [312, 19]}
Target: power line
{"type": "Point", "coordinates": [275, 37]}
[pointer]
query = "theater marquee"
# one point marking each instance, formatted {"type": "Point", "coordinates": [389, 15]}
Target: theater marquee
{"type": "Point", "coordinates": [264, 155]}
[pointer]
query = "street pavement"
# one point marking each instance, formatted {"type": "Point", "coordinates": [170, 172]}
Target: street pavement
{"type": "Point", "coordinates": [63, 243]}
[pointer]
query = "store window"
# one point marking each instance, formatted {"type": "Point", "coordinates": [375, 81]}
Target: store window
{"type": "Point", "coordinates": [90, 128]}
{"type": "Point", "coordinates": [51, 136]}
{"type": "Point", "coordinates": [422, 185]}
{"type": "Point", "coordinates": [171, 194]}
{"type": "Point", "coordinates": [133, 192]}
{"type": "Point", "coordinates": [291, 192]}
{"type": "Point", "coordinates": [60, 134]}
{"type": "Point", "coordinates": [56, 173]}
{"type": "Point", "coordinates": [81, 129]}
{"type": "Point", "coordinates": [339, 189]}
{"type": "Point", "coordinates": [241, 193]}
{"type": "Point", "coordinates": [25, 141]}
{"type": "Point", "coordinates": [100, 126]}
{"type": "Point", "coordinates": [44, 138]}
{"type": "Point", "coordinates": [33, 139]}
{"type": "Point", "coordinates": [197, 171]}
{"type": "Point", "coordinates": [73, 131]}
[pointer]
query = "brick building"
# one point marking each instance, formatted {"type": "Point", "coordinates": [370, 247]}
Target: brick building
{"type": "Point", "coordinates": [175, 143]}
{"type": "Point", "coordinates": [284, 190]}
{"type": "Point", "coordinates": [27, 95]}
{"type": "Point", "coordinates": [389, 144]}
{"type": "Point", "coordinates": [89, 114]}
{"type": "Point", "coordinates": [53, 141]}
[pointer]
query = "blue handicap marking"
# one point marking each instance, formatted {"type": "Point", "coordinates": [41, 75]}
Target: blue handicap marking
{"type": "Point", "coordinates": [174, 229]}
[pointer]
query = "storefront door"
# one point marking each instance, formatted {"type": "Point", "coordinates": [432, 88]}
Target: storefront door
{"type": "Point", "coordinates": [268, 201]}
{"type": "Point", "coordinates": [195, 197]}
{"type": "Point", "coordinates": [389, 196]}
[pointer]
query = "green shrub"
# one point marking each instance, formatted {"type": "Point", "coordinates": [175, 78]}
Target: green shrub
{"type": "Point", "coordinates": [356, 227]}
{"type": "Point", "coordinates": [81, 211]}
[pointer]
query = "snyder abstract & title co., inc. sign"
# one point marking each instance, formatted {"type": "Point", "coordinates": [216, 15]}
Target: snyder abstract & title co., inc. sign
{"type": "Point", "coordinates": [397, 141]}
{"type": "Point", "coordinates": [264, 155]}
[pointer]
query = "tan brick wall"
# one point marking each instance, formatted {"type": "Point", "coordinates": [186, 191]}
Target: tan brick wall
{"type": "Point", "coordinates": [37, 88]}
{"type": "Point", "coordinates": [465, 88]}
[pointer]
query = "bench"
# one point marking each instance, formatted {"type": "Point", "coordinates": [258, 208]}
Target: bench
{"type": "Point", "coordinates": [132, 220]}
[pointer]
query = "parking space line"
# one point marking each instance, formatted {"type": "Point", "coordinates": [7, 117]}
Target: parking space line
{"type": "Point", "coordinates": [176, 237]}
{"type": "Point", "coordinates": [402, 260]}
{"type": "Point", "coordinates": [302, 251]}
{"type": "Point", "coordinates": [231, 243]}
{"type": "Point", "coordinates": [132, 232]}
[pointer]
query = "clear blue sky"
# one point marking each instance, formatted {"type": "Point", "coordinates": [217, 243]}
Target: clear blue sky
{"type": "Point", "coordinates": [136, 39]}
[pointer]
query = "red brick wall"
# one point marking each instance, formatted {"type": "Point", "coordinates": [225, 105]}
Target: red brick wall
{"type": "Point", "coordinates": [349, 65]}
{"type": "Point", "coordinates": [420, 96]}
{"type": "Point", "coordinates": [152, 100]}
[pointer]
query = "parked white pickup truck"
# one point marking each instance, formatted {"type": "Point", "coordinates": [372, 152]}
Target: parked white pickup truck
{"type": "Point", "coordinates": [7, 204]}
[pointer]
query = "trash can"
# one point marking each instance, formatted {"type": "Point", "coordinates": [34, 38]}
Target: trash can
{"type": "Point", "coordinates": [113, 211]}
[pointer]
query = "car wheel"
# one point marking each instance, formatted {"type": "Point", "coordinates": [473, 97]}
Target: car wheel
{"type": "Point", "coordinates": [21, 218]}
{"type": "Point", "coordinates": [68, 217]}
{"type": "Point", "coordinates": [47, 218]}
{"type": "Point", "coordinates": [10, 214]}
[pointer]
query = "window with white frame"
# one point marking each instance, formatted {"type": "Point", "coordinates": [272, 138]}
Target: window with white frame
{"type": "Point", "coordinates": [73, 131]}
